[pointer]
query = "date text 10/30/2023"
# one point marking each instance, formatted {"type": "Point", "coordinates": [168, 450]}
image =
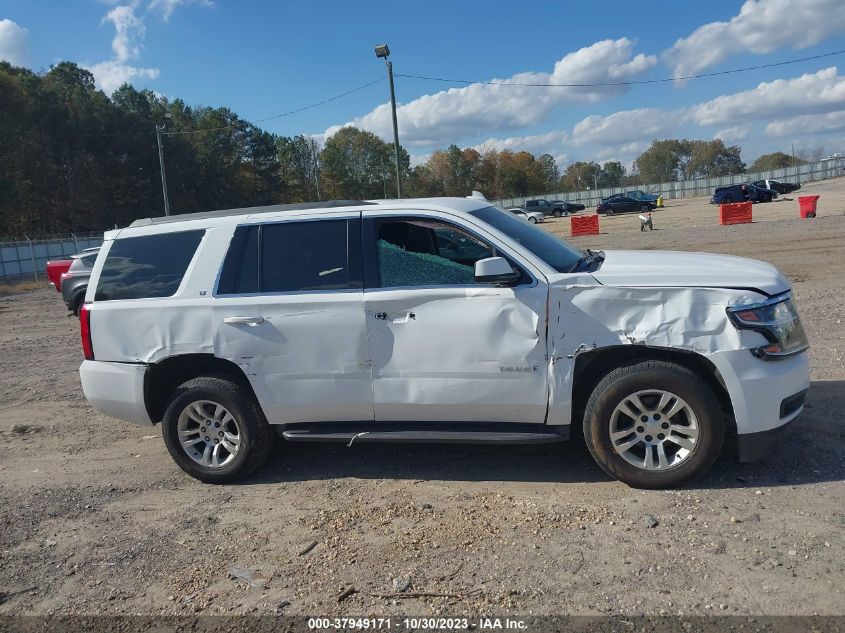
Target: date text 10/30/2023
{"type": "Point", "coordinates": [416, 624]}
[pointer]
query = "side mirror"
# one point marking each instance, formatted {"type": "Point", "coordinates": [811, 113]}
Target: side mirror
{"type": "Point", "coordinates": [495, 270]}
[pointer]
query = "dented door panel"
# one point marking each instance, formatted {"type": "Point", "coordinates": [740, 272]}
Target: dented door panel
{"type": "Point", "coordinates": [308, 359]}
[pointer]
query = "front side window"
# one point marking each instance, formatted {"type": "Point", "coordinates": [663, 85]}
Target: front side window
{"type": "Point", "coordinates": [148, 266]}
{"type": "Point", "coordinates": [421, 252]}
{"type": "Point", "coordinates": [555, 252]}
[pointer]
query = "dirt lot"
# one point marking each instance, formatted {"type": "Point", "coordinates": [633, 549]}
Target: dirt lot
{"type": "Point", "coordinates": [95, 518]}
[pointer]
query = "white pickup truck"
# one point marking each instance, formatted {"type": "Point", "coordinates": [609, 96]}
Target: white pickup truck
{"type": "Point", "coordinates": [433, 320]}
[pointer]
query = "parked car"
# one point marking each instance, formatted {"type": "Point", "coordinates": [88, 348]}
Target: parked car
{"type": "Point", "coordinates": [637, 194]}
{"type": "Point", "coordinates": [624, 204]}
{"type": "Point", "coordinates": [545, 207]}
{"type": "Point", "coordinates": [569, 207]}
{"type": "Point", "coordinates": [55, 269]}
{"type": "Point", "coordinates": [742, 193]}
{"type": "Point", "coordinates": [779, 187]}
{"type": "Point", "coordinates": [439, 320]}
{"type": "Point", "coordinates": [75, 281]}
{"type": "Point", "coordinates": [529, 216]}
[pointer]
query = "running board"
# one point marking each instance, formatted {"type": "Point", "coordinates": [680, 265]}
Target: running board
{"type": "Point", "coordinates": [426, 436]}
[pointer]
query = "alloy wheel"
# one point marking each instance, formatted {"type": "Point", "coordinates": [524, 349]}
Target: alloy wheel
{"type": "Point", "coordinates": [654, 429]}
{"type": "Point", "coordinates": [208, 433]}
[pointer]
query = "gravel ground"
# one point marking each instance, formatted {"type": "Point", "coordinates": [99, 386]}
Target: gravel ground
{"type": "Point", "coordinates": [95, 518]}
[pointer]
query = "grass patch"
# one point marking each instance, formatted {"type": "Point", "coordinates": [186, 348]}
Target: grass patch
{"type": "Point", "coordinates": [14, 287]}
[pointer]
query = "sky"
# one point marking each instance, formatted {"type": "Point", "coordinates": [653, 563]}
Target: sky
{"type": "Point", "coordinates": [266, 57]}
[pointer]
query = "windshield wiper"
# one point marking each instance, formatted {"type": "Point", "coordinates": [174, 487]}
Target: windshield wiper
{"type": "Point", "coordinates": [587, 259]}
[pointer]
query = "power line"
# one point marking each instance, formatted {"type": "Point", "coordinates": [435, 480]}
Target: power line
{"type": "Point", "coordinates": [278, 116]}
{"type": "Point", "coordinates": [234, 125]}
{"type": "Point", "coordinates": [623, 83]}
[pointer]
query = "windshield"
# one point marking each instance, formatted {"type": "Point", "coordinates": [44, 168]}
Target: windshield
{"type": "Point", "coordinates": [552, 250]}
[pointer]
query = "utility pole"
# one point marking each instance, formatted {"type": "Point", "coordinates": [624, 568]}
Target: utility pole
{"type": "Point", "coordinates": [316, 167]}
{"type": "Point", "coordinates": [793, 155]}
{"type": "Point", "coordinates": [382, 51]}
{"type": "Point", "coordinates": [159, 130]}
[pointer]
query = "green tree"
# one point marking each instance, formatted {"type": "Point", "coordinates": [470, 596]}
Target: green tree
{"type": "Point", "coordinates": [612, 174]}
{"type": "Point", "coordinates": [580, 175]}
{"type": "Point", "coordinates": [775, 160]}
{"type": "Point", "coordinates": [359, 165]}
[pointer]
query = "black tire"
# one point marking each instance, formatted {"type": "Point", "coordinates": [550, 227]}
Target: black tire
{"type": "Point", "coordinates": [532, 220]}
{"type": "Point", "coordinates": [629, 379]}
{"type": "Point", "coordinates": [257, 438]}
{"type": "Point", "coordinates": [645, 208]}
{"type": "Point", "coordinates": [78, 300]}
{"type": "Point", "coordinates": [609, 212]}
{"type": "Point", "coordinates": [557, 213]}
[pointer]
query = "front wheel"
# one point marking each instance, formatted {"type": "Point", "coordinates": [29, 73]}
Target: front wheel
{"type": "Point", "coordinates": [645, 208]}
{"type": "Point", "coordinates": [609, 212]}
{"type": "Point", "coordinates": [557, 213]}
{"type": "Point", "coordinates": [532, 220]}
{"type": "Point", "coordinates": [215, 431]}
{"type": "Point", "coordinates": [653, 424]}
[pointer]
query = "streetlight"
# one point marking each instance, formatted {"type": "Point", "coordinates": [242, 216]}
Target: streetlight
{"type": "Point", "coordinates": [159, 130]}
{"type": "Point", "coordinates": [382, 51]}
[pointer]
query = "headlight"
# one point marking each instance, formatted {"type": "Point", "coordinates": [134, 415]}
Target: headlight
{"type": "Point", "coordinates": [777, 320]}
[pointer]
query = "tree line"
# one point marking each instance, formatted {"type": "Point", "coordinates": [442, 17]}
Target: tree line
{"type": "Point", "coordinates": [73, 159]}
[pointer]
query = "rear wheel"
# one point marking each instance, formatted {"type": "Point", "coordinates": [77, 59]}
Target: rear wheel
{"type": "Point", "coordinates": [215, 431]}
{"type": "Point", "coordinates": [78, 300]}
{"type": "Point", "coordinates": [557, 213]}
{"type": "Point", "coordinates": [653, 424]}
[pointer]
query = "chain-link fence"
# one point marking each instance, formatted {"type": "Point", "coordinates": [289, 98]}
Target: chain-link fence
{"type": "Point", "coordinates": [28, 259]}
{"type": "Point", "coordinates": [819, 170]}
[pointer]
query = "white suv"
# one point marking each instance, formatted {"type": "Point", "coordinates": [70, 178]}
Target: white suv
{"type": "Point", "coordinates": [433, 320]}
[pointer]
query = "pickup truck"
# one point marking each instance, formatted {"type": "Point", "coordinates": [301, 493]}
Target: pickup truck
{"type": "Point", "coordinates": [55, 269]}
{"type": "Point", "coordinates": [776, 185]}
{"type": "Point", "coordinates": [434, 320]}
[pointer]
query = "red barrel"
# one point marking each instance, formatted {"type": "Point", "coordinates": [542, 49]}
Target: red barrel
{"type": "Point", "coordinates": [807, 206]}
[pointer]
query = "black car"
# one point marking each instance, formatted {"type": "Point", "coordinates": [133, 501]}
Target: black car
{"type": "Point", "coordinates": [569, 207]}
{"type": "Point", "coordinates": [776, 185]}
{"type": "Point", "coordinates": [75, 280]}
{"type": "Point", "coordinates": [624, 204]}
{"type": "Point", "coordinates": [742, 193]}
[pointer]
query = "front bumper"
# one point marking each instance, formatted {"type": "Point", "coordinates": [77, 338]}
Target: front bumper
{"type": "Point", "coordinates": [116, 389]}
{"type": "Point", "coordinates": [755, 446]}
{"type": "Point", "coordinates": [758, 388]}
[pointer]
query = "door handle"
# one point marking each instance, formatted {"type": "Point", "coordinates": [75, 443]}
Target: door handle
{"type": "Point", "coordinates": [244, 320]}
{"type": "Point", "coordinates": [383, 316]}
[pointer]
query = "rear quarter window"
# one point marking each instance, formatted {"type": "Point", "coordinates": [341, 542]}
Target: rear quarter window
{"type": "Point", "coordinates": [146, 267]}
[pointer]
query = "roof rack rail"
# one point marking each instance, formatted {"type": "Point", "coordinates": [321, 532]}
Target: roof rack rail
{"type": "Point", "coordinates": [222, 213]}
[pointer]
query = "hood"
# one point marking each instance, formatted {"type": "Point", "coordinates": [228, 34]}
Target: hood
{"type": "Point", "coordinates": [688, 270]}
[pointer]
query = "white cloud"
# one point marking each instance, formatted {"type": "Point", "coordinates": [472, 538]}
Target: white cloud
{"type": "Point", "coordinates": [167, 7]}
{"type": "Point", "coordinates": [111, 75]}
{"type": "Point", "coordinates": [733, 134]}
{"type": "Point", "coordinates": [819, 92]}
{"type": "Point", "coordinates": [808, 124]}
{"type": "Point", "coordinates": [14, 43]}
{"type": "Point", "coordinates": [478, 108]}
{"type": "Point", "coordinates": [547, 143]}
{"type": "Point", "coordinates": [129, 31]}
{"type": "Point", "coordinates": [625, 126]}
{"type": "Point", "coordinates": [761, 26]}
